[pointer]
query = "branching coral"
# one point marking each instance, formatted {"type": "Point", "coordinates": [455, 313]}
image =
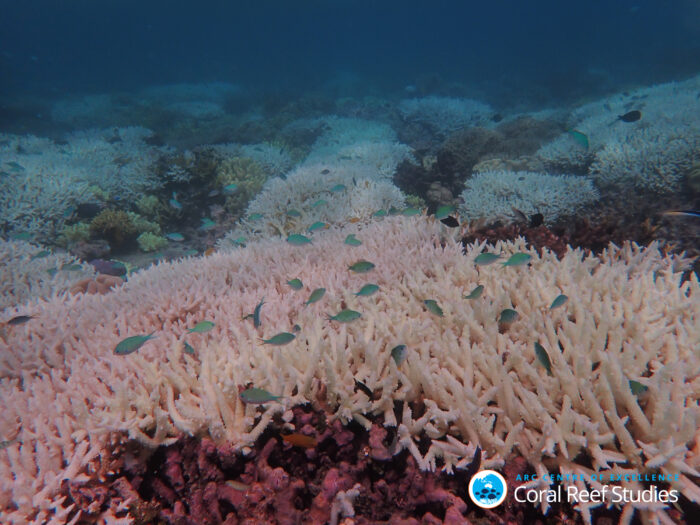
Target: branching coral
{"type": "Point", "coordinates": [493, 195]}
{"type": "Point", "coordinates": [628, 317]}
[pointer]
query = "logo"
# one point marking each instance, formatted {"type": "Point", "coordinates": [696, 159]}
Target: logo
{"type": "Point", "coordinates": [488, 489]}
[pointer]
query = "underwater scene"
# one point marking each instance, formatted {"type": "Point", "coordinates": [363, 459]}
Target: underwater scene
{"type": "Point", "coordinates": [349, 262]}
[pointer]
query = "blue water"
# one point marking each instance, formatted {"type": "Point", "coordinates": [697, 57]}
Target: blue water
{"type": "Point", "coordinates": [504, 51]}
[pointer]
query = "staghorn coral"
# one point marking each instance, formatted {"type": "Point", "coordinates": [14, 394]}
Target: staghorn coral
{"type": "Point", "coordinates": [53, 178]}
{"type": "Point", "coordinates": [492, 195]}
{"type": "Point", "coordinates": [29, 272]}
{"type": "Point", "coordinates": [629, 317]}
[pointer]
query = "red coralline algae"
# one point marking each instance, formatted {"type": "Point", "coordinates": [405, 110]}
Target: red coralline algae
{"type": "Point", "coordinates": [199, 482]}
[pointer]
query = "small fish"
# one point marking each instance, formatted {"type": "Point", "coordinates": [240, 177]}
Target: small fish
{"type": "Point", "coordinates": [131, 344]}
{"type": "Point", "coordinates": [410, 212]}
{"type": "Point", "coordinates": [319, 202]}
{"type": "Point", "coordinates": [174, 202]}
{"type": "Point", "coordinates": [559, 301]}
{"type": "Point", "coordinates": [688, 213]}
{"type": "Point", "coordinates": [23, 236]}
{"type": "Point", "coordinates": [256, 313]}
{"type": "Point", "coordinates": [476, 292]}
{"type": "Point", "coordinates": [316, 295]}
{"type": "Point", "coordinates": [637, 388]}
{"type": "Point", "coordinates": [518, 259]}
{"type": "Point", "coordinates": [353, 220]}
{"type": "Point", "coordinates": [433, 307]}
{"type": "Point", "coordinates": [230, 188]}
{"type": "Point", "coordinates": [188, 348]}
{"type": "Point", "coordinates": [213, 193]}
{"type": "Point", "coordinates": [519, 216]}
{"type": "Point", "coordinates": [207, 224]}
{"type": "Point", "coordinates": [632, 116]}
{"type": "Point", "coordinates": [345, 316]}
{"type": "Point", "coordinates": [297, 239]}
{"type": "Point", "coordinates": [237, 485]}
{"type": "Point", "coordinates": [579, 137]}
{"type": "Point", "coordinates": [255, 216]}
{"type": "Point", "coordinates": [52, 271]}
{"type": "Point", "coordinates": [280, 339]}
{"type": "Point", "coordinates": [543, 357]}
{"type": "Point", "coordinates": [296, 284]}
{"type": "Point", "coordinates": [361, 266]}
{"type": "Point", "coordinates": [379, 213]}
{"type": "Point", "coordinates": [177, 237]}
{"type": "Point", "coordinates": [8, 443]}
{"type": "Point", "coordinates": [201, 327]}
{"type": "Point", "coordinates": [300, 440]}
{"type": "Point", "coordinates": [508, 316]}
{"type": "Point", "coordinates": [40, 255]}
{"type": "Point", "coordinates": [399, 354]}
{"type": "Point", "coordinates": [19, 319]}
{"type": "Point", "coordinates": [318, 225]}
{"type": "Point", "coordinates": [296, 328]}
{"type": "Point", "coordinates": [325, 171]}
{"type": "Point", "coordinates": [445, 211]}
{"type": "Point", "coordinates": [450, 222]}
{"type": "Point", "coordinates": [14, 166]}
{"type": "Point", "coordinates": [190, 253]}
{"type": "Point", "coordinates": [352, 240]}
{"type": "Point", "coordinates": [257, 396]}
{"type": "Point", "coordinates": [293, 213]}
{"type": "Point", "coordinates": [71, 267]}
{"type": "Point", "coordinates": [536, 219]}
{"type": "Point", "coordinates": [474, 465]}
{"type": "Point", "coordinates": [239, 241]}
{"type": "Point", "coordinates": [359, 385]}
{"type": "Point", "coordinates": [368, 289]}
{"type": "Point", "coordinates": [484, 259]}
{"type": "Point", "coordinates": [338, 187]}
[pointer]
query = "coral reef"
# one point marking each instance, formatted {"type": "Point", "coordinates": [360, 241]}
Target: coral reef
{"type": "Point", "coordinates": [100, 284]}
{"type": "Point", "coordinates": [492, 195]}
{"type": "Point", "coordinates": [49, 179]}
{"type": "Point", "coordinates": [444, 115]}
{"type": "Point", "coordinates": [466, 381]}
{"type": "Point", "coordinates": [248, 177]}
{"type": "Point", "coordinates": [150, 242]}
{"type": "Point", "coordinates": [648, 155]}
{"type": "Point", "coordinates": [30, 272]}
{"type": "Point", "coordinates": [198, 481]}
{"type": "Point", "coordinates": [115, 226]}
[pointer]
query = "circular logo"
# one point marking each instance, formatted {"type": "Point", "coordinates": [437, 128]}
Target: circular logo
{"type": "Point", "coordinates": [488, 489]}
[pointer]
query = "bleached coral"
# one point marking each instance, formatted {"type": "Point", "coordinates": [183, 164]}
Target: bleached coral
{"type": "Point", "coordinates": [30, 272]}
{"type": "Point", "coordinates": [275, 160]}
{"type": "Point", "coordinates": [649, 154]}
{"type": "Point", "coordinates": [43, 180]}
{"type": "Point", "coordinates": [358, 154]}
{"type": "Point", "coordinates": [492, 195]}
{"type": "Point", "coordinates": [307, 190]}
{"type": "Point", "coordinates": [630, 316]}
{"type": "Point", "coordinates": [445, 114]}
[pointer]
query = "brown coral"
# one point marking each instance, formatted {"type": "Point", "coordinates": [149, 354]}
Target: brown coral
{"type": "Point", "coordinates": [115, 226]}
{"type": "Point", "coordinates": [101, 284]}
